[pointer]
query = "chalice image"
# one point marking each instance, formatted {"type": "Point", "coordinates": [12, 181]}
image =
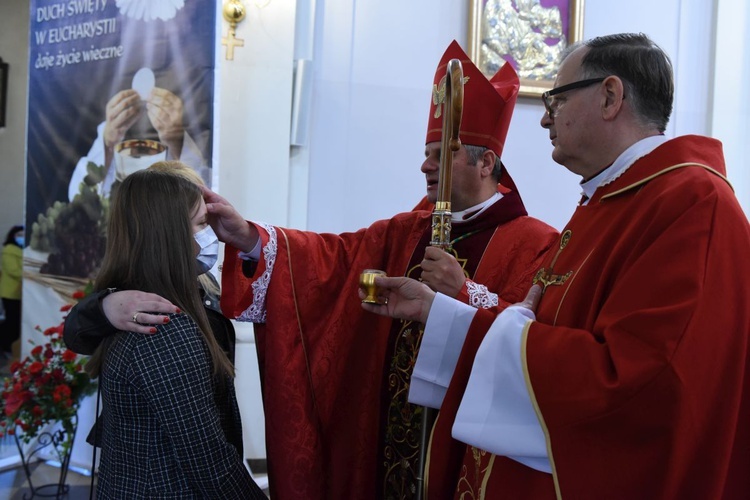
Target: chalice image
{"type": "Point", "coordinates": [367, 284]}
{"type": "Point", "coordinates": [137, 154]}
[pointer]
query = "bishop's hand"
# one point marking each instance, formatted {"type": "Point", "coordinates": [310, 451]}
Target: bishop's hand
{"type": "Point", "coordinates": [229, 226]}
{"type": "Point", "coordinates": [442, 272]}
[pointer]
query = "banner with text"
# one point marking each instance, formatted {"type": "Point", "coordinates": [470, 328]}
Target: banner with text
{"type": "Point", "coordinates": [114, 85]}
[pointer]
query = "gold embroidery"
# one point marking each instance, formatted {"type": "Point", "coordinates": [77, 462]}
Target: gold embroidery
{"type": "Point", "coordinates": [472, 485]}
{"type": "Point", "coordinates": [546, 276]}
{"type": "Point", "coordinates": [403, 429]}
{"type": "Point", "coordinates": [565, 239]}
{"type": "Point", "coordinates": [438, 97]}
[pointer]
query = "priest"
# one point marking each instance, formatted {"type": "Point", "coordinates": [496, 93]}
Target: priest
{"type": "Point", "coordinates": [335, 378]}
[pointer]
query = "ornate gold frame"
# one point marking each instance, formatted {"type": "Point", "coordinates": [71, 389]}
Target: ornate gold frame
{"type": "Point", "coordinates": [529, 88]}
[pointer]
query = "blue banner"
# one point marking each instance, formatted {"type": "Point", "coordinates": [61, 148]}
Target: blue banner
{"type": "Point", "coordinates": [114, 85]}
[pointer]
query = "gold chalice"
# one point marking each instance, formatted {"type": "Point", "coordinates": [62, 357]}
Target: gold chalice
{"type": "Point", "coordinates": [367, 284]}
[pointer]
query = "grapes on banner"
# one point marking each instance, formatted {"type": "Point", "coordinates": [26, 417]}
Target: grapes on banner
{"type": "Point", "coordinates": [74, 233]}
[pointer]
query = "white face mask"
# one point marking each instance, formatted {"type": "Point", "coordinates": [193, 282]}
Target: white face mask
{"type": "Point", "coordinates": [209, 254]}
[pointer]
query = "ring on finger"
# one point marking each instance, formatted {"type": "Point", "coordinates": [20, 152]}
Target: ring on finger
{"type": "Point", "coordinates": [135, 317]}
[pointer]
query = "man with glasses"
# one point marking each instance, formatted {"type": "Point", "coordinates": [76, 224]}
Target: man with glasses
{"type": "Point", "coordinates": [625, 373]}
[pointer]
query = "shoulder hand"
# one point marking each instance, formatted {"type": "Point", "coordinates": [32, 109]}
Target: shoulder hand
{"type": "Point", "coordinates": [136, 311]}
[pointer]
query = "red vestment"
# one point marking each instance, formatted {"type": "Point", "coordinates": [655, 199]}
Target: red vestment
{"type": "Point", "coordinates": [322, 357]}
{"type": "Point", "coordinates": [638, 362]}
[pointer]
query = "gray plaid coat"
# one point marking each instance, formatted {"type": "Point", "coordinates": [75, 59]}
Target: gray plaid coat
{"type": "Point", "coordinates": [162, 436]}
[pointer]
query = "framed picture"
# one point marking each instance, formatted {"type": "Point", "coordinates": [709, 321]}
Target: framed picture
{"type": "Point", "coordinates": [3, 91]}
{"type": "Point", "coordinates": [530, 34]}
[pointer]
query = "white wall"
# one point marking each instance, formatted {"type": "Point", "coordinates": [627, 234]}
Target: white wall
{"type": "Point", "coordinates": [731, 112]}
{"type": "Point", "coordinates": [253, 168]}
{"type": "Point", "coordinates": [373, 75]}
{"type": "Point", "coordinates": [14, 50]}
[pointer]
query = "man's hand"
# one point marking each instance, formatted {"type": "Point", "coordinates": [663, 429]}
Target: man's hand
{"type": "Point", "coordinates": [442, 272]}
{"type": "Point", "coordinates": [165, 112]}
{"type": "Point", "coordinates": [122, 112]}
{"type": "Point", "coordinates": [531, 302]}
{"type": "Point", "coordinates": [122, 307]}
{"type": "Point", "coordinates": [402, 298]}
{"type": "Point", "coordinates": [229, 226]}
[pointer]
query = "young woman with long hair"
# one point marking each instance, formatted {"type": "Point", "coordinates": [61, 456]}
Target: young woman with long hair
{"type": "Point", "coordinates": [161, 426]}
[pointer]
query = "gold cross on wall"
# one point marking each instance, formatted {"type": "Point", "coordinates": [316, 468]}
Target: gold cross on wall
{"type": "Point", "coordinates": [234, 12]}
{"type": "Point", "coordinates": [231, 41]}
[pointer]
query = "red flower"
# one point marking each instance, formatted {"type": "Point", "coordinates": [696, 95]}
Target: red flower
{"type": "Point", "coordinates": [35, 367]}
{"type": "Point", "coordinates": [66, 307]}
{"type": "Point", "coordinates": [54, 329]}
{"type": "Point", "coordinates": [62, 392]}
{"type": "Point", "coordinates": [15, 400]}
{"type": "Point", "coordinates": [40, 388]}
{"type": "Point", "coordinates": [79, 294]}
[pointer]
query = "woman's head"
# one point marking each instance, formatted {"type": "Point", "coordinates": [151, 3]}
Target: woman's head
{"type": "Point", "coordinates": [179, 169]}
{"type": "Point", "coordinates": [13, 236]}
{"type": "Point", "coordinates": [151, 246]}
{"type": "Point", "coordinates": [150, 241]}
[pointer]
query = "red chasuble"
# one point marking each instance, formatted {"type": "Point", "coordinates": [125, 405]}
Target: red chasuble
{"type": "Point", "coordinates": [323, 358]}
{"type": "Point", "coordinates": [638, 361]}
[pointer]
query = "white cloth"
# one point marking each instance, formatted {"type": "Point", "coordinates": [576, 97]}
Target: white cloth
{"type": "Point", "coordinates": [190, 156]}
{"type": "Point", "coordinates": [438, 353]}
{"type": "Point", "coordinates": [476, 209]}
{"type": "Point", "coordinates": [496, 413]}
{"type": "Point", "coordinates": [620, 165]}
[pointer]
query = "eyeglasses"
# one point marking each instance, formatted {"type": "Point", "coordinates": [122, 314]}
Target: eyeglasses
{"type": "Point", "coordinates": [549, 97]}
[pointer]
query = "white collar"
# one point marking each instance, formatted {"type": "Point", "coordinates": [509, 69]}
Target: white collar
{"type": "Point", "coordinates": [635, 152]}
{"type": "Point", "coordinates": [459, 216]}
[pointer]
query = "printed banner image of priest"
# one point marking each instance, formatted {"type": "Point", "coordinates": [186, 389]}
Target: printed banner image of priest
{"type": "Point", "coordinates": [113, 87]}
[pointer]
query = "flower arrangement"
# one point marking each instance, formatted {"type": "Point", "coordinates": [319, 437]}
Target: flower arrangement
{"type": "Point", "coordinates": [45, 387]}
